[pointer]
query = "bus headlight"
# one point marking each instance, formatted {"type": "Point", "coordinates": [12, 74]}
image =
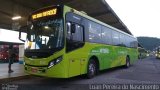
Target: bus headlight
{"type": "Point", "coordinates": [55, 61]}
{"type": "Point", "coordinates": [24, 63]}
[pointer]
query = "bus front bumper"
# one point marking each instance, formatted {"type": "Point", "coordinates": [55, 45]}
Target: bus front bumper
{"type": "Point", "coordinates": [54, 72]}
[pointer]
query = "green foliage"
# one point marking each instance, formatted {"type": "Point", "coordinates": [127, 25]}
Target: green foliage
{"type": "Point", "coordinates": [149, 43]}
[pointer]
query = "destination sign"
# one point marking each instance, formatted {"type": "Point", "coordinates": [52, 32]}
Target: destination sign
{"type": "Point", "coordinates": [46, 13]}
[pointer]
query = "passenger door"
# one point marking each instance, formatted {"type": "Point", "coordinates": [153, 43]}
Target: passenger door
{"type": "Point", "coordinates": [74, 41]}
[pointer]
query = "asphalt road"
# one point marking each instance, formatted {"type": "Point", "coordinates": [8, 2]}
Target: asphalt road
{"type": "Point", "coordinates": [145, 71]}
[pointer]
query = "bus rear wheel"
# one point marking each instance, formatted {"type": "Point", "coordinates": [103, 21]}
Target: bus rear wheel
{"type": "Point", "coordinates": [127, 65]}
{"type": "Point", "coordinates": [91, 70]}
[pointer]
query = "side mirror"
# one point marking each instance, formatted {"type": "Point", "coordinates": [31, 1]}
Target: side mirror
{"type": "Point", "coordinates": [20, 31]}
{"type": "Point", "coordinates": [73, 28]}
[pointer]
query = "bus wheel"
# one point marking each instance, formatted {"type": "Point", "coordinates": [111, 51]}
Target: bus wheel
{"type": "Point", "coordinates": [127, 62]}
{"type": "Point", "coordinates": [91, 70]}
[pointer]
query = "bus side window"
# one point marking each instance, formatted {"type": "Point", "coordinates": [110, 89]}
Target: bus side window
{"type": "Point", "coordinates": [74, 38]}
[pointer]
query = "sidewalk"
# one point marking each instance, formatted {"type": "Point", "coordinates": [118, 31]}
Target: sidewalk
{"type": "Point", "coordinates": [16, 67]}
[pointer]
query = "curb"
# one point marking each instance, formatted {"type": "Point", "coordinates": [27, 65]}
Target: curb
{"type": "Point", "coordinates": [10, 79]}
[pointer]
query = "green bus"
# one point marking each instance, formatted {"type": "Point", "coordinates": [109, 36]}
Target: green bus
{"type": "Point", "coordinates": [143, 53]}
{"type": "Point", "coordinates": [157, 52]}
{"type": "Point", "coordinates": [63, 42]}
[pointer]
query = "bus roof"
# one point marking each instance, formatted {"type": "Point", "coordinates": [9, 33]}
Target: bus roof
{"type": "Point", "coordinates": [84, 14]}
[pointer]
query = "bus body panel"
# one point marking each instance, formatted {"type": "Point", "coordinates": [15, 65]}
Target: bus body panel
{"type": "Point", "coordinates": [108, 56]}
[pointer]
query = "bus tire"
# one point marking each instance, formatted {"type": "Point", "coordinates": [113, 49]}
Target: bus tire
{"type": "Point", "coordinates": [127, 65]}
{"type": "Point", "coordinates": [91, 69]}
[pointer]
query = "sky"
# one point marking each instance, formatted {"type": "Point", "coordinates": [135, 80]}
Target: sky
{"type": "Point", "coordinates": [142, 17]}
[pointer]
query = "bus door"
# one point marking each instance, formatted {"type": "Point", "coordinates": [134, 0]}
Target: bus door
{"type": "Point", "coordinates": [74, 43]}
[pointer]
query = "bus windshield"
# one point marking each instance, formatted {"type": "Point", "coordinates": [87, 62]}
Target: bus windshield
{"type": "Point", "coordinates": [45, 34]}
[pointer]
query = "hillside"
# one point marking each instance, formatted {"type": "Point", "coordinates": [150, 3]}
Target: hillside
{"type": "Point", "coordinates": [149, 43]}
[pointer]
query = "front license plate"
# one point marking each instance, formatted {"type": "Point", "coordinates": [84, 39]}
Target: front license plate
{"type": "Point", "coordinates": [34, 70]}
